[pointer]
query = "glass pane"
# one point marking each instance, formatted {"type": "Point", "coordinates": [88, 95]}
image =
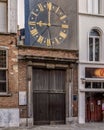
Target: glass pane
{"type": "Point", "coordinates": [103, 85]}
{"type": "Point", "coordinates": [97, 49]}
{"type": "Point", "coordinates": [94, 32]}
{"type": "Point", "coordinates": [90, 49]}
{"type": "Point", "coordinates": [96, 85]}
{"type": "Point", "coordinates": [88, 85]}
{"type": "Point", "coordinates": [3, 58]}
{"type": "Point", "coordinates": [2, 87]}
{"type": "Point", "coordinates": [2, 75]}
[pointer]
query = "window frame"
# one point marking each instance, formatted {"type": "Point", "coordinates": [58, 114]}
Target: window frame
{"type": "Point", "coordinates": [94, 7]}
{"type": "Point", "coordinates": [6, 70]}
{"type": "Point", "coordinates": [94, 43]}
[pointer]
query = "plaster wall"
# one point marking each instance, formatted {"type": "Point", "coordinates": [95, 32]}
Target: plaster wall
{"type": "Point", "coordinates": [86, 23]}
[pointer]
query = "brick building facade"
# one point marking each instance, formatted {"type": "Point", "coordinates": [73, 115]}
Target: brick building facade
{"type": "Point", "coordinates": [38, 85]}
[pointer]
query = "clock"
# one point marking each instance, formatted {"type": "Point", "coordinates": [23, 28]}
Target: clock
{"type": "Point", "coordinates": [48, 24]}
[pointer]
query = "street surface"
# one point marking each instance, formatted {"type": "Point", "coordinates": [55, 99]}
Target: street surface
{"type": "Point", "coordinates": [87, 126]}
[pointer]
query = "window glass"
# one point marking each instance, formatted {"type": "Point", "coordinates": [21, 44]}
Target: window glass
{"type": "Point", "coordinates": [88, 85]}
{"type": "Point", "coordinates": [96, 49]}
{"type": "Point", "coordinates": [91, 49]}
{"type": "Point", "coordinates": [2, 58]}
{"type": "Point", "coordinates": [96, 85]}
{"type": "Point", "coordinates": [94, 32]}
{"type": "Point", "coordinates": [94, 45]}
{"type": "Point", "coordinates": [2, 87]}
{"type": "Point", "coordinates": [3, 83]}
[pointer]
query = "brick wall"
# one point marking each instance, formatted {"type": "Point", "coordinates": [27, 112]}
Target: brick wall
{"type": "Point", "coordinates": [11, 99]}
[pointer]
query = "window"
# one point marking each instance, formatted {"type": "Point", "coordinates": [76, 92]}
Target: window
{"type": "Point", "coordinates": [3, 71]}
{"type": "Point", "coordinates": [94, 45]}
{"type": "Point", "coordinates": [94, 85]}
{"type": "Point", "coordinates": [3, 16]}
{"type": "Point", "coordinates": [94, 6]}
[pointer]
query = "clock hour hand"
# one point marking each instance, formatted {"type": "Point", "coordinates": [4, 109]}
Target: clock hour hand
{"type": "Point", "coordinates": [40, 23]}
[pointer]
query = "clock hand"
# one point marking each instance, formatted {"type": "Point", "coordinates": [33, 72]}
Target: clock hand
{"type": "Point", "coordinates": [50, 35]}
{"type": "Point", "coordinates": [40, 23]}
{"type": "Point", "coordinates": [65, 26]}
{"type": "Point", "coordinates": [49, 6]}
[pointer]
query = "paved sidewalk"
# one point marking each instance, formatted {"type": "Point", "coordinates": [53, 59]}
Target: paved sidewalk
{"type": "Point", "coordinates": [87, 126]}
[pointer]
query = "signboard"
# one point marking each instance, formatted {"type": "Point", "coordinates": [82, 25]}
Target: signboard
{"type": "Point", "coordinates": [22, 98]}
{"type": "Point", "coordinates": [94, 72]}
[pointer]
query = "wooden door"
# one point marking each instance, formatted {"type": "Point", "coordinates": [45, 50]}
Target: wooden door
{"type": "Point", "coordinates": [93, 109]}
{"type": "Point", "coordinates": [48, 96]}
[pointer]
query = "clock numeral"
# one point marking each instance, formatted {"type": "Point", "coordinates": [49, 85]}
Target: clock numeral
{"type": "Point", "coordinates": [63, 17]}
{"type": "Point", "coordinates": [63, 35]}
{"type": "Point", "coordinates": [48, 42]}
{"type": "Point", "coordinates": [49, 5]}
{"type": "Point", "coordinates": [41, 7]}
{"type": "Point", "coordinates": [31, 23]}
{"type": "Point", "coordinates": [34, 13]}
{"type": "Point", "coordinates": [57, 41]}
{"type": "Point", "coordinates": [57, 9]}
{"type": "Point", "coordinates": [64, 26]}
{"type": "Point", "coordinates": [34, 32]}
{"type": "Point", "coordinates": [40, 39]}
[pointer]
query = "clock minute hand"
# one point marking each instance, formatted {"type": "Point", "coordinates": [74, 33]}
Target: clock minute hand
{"type": "Point", "coordinates": [49, 6]}
{"type": "Point", "coordinates": [65, 26]}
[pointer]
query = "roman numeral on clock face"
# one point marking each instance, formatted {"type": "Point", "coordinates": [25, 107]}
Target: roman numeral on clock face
{"type": "Point", "coordinates": [34, 32]}
{"type": "Point", "coordinates": [40, 39]}
{"type": "Point", "coordinates": [34, 13]}
{"type": "Point", "coordinates": [31, 23]}
{"type": "Point", "coordinates": [48, 42]}
{"type": "Point", "coordinates": [63, 35]}
{"type": "Point", "coordinates": [40, 7]}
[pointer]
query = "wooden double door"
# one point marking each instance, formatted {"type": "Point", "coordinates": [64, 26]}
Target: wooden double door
{"type": "Point", "coordinates": [48, 96]}
{"type": "Point", "coordinates": [94, 102]}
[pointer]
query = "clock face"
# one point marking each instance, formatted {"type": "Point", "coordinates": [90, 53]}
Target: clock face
{"type": "Point", "coordinates": [48, 24]}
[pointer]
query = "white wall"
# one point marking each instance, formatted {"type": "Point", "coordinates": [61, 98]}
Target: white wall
{"type": "Point", "coordinates": [12, 16]}
{"type": "Point", "coordinates": [9, 117]}
{"type": "Point", "coordinates": [82, 6]}
{"type": "Point", "coordinates": [86, 23]}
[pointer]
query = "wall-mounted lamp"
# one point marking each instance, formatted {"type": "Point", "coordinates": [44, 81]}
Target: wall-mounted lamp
{"type": "Point", "coordinates": [83, 80]}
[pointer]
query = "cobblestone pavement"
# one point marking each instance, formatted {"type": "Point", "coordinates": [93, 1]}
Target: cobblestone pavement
{"type": "Point", "coordinates": [87, 126]}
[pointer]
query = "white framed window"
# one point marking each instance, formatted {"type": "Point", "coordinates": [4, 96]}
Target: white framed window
{"type": "Point", "coordinates": [94, 6]}
{"type": "Point", "coordinates": [3, 16]}
{"type": "Point", "coordinates": [3, 71]}
{"type": "Point", "coordinates": [94, 45]}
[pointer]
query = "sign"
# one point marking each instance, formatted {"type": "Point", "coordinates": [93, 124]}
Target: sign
{"type": "Point", "coordinates": [94, 72]}
{"type": "Point", "coordinates": [22, 98]}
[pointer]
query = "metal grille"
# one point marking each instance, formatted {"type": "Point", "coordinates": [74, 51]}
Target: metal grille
{"type": "Point", "coordinates": [3, 82]}
{"type": "Point", "coordinates": [2, 58]}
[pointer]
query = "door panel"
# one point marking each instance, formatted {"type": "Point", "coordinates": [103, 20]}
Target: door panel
{"type": "Point", "coordinates": [41, 109]}
{"type": "Point", "coordinates": [57, 108]}
{"type": "Point", "coordinates": [48, 96]}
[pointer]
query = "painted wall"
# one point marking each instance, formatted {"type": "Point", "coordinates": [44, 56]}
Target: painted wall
{"type": "Point", "coordinates": [9, 117]}
{"type": "Point", "coordinates": [86, 23]}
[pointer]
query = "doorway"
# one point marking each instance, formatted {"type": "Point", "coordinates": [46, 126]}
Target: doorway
{"type": "Point", "coordinates": [48, 96]}
{"type": "Point", "coordinates": [94, 106]}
